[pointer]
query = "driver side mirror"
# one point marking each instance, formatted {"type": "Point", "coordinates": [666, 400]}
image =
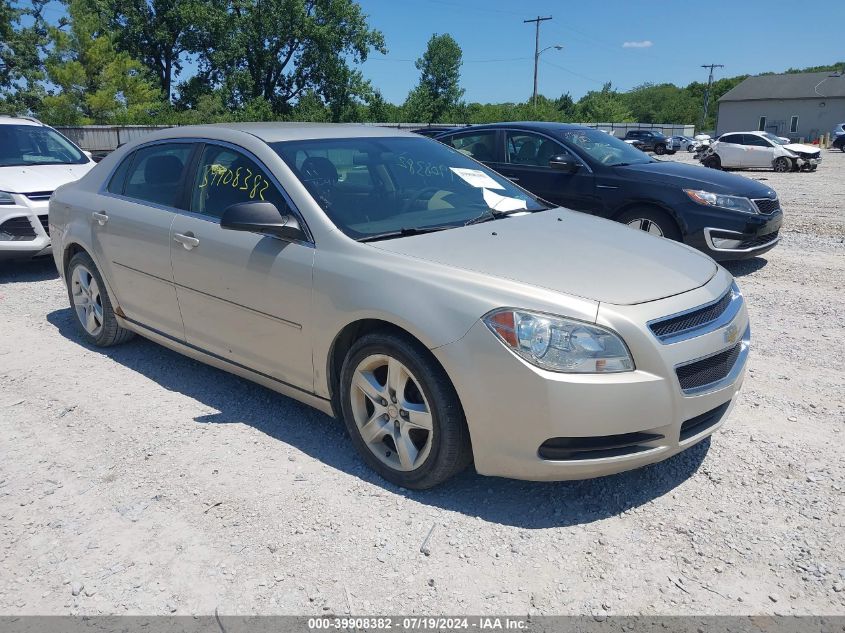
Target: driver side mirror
{"type": "Point", "coordinates": [564, 163]}
{"type": "Point", "coordinates": [262, 217]}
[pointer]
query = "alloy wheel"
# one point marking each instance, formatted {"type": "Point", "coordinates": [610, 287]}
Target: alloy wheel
{"type": "Point", "coordinates": [391, 413]}
{"type": "Point", "coordinates": [644, 224]}
{"type": "Point", "coordinates": [87, 300]}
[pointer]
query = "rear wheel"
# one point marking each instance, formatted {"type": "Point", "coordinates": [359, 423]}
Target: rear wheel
{"type": "Point", "coordinates": [652, 221]}
{"type": "Point", "coordinates": [782, 165]}
{"type": "Point", "coordinates": [91, 303]}
{"type": "Point", "coordinates": [402, 412]}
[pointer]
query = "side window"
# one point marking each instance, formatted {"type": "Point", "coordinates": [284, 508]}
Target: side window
{"type": "Point", "coordinates": [481, 145]}
{"type": "Point", "coordinates": [156, 173]}
{"type": "Point", "coordinates": [754, 141]}
{"type": "Point", "coordinates": [524, 148]}
{"type": "Point", "coordinates": [731, 139]}
{"type": "Point", "coordinates": [225, 177]}
{"type": "Point", "coordinates": [118, 179]}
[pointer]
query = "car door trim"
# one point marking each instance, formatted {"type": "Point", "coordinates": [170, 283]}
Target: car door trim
{"type": "Point", "coordinates": [292, 324]}
{"type": "Point", "coordinates": [221, 358]}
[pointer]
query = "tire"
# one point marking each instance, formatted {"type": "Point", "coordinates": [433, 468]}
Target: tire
{"type": "Point", "coordinates": [374, 364]}
{"type": "Point", "coordinates": [782, 165]}
{"type": "Point", "coordinates": [813, 167]}
{"type": "Point", "coordinates": [91, 304]}
{"type": "Point", "coordinates": [712, 162]}
{"type": "Point", "coordinates": [653, 221]}
{"type": "Point", "coordinates": [691, 148]}
{"type": "Point", "coordinates": [842, 147]}
{"type": "Point", "coordinates": [660, 149]}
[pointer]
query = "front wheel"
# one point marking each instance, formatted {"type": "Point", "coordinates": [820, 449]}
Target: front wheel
{"type": "Point", "coordinates": [782, 165]}
{"type": "Point", "coordinates": [712, 162]}
{"type": "Point", "coordinates": [402, 412]}
{"type": "Point", "coordinates": [691, 148]}
{"type": "Point", "coordinates": [653, 221]}
{"type": "Point", "coordinates": [91, 303]}
{"type": "Point", "coordinates": [660, 150]}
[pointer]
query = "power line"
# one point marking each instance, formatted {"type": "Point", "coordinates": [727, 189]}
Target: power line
{"type": "Point", "coordinates": [572, 72]}
{"type": "Point", "coordinates": [536, 22]}
{"type": "Point", "coordinates": [707, 91]}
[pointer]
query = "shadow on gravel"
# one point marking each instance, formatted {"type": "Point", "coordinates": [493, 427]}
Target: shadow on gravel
{"type": "Point", "coordinates": [28, 270]}
{"type": "Point", "coordinates": [530, 505]}
{"type": "Point", "coordinates": [742, 267]}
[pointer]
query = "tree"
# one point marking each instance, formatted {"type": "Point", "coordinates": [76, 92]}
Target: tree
{"type": "Point", "coordinates": [604, 106]}
{"type": "Point", "coordinates": [280, 49]}
{"type": "Point", "coordinates": [94, 83]}
{"type": "Point", "coordinates": [158, 32]}
{"type": "Point", "coordinates": [21, 67]}
{"type": "Point", "coordinates": [439, 88]}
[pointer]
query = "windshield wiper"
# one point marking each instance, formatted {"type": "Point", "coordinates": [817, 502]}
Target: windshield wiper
{"type": "Point", "coordinates": [404, 232]}
{"type": "Point", "coordinates": [493, 214]}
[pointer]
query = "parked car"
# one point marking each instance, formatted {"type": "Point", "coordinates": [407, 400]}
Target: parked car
{"type": "Point", "coordinates": [755, 150]}
{"type": "Point", "coordinates": [838, 130]}
{"type": "Point", "coordinates": [34, 160]}
{"type": "Point", "coordinates": [839, 143]}
{"type": "Point", "coordinates": [652, 141]}
{"type": "Point", "coordinates": [724, 215]}
{"type": "Point", "coordinates": [684, 143]}
{"type": "Point", "coordinates": [396, 283]}
{"type": "Point", "coordinates": [633, 142]}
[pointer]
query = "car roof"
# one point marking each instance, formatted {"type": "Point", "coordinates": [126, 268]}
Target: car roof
{"type": "Point", "coordinates": [273, 132]}
{"type": "Point", "coordinates": [5, 119]}
{"type": "Point", "coordinates": [543, 126]}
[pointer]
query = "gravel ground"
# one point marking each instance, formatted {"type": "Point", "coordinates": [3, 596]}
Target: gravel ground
{"type": "Point", "coordinates": [134, 480]}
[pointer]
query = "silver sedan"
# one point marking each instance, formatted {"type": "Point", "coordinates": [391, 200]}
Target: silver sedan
{"type": "Point", "coordinates": [444, 314]}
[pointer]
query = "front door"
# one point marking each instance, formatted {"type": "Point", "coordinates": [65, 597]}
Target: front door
{"type": "Point", "coordinates": [245, 297]}
{"type": "Point", "coordinates": [758, 151]}
{"type": "Point", "coordinates": [526, 162]}
{"type": "Point", "coordinates": [131, 232]}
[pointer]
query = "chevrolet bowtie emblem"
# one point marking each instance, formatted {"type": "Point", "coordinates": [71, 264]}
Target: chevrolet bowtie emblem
{"type": "Point", "coordinates": [731, 334]}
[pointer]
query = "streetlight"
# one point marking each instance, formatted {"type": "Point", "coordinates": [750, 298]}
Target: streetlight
{"type": "Point", "coordinates": [557, 47]}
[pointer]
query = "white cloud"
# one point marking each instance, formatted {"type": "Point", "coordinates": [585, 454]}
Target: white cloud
{"type": "Point", "coordinates": [641, 44]}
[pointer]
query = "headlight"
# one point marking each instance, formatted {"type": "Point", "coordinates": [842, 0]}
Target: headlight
{"type": "Point", "coordinates": [560, 344]}
{"type": "Point", "coordinates": [731, 203]}
{"type": "Point", "coordinates": [6, 198]}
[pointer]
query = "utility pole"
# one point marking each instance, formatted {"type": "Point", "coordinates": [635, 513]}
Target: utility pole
{"type": "Point", "coordinates": [536, 21]}
{"type": "Point", "coordinates": [707, 91]}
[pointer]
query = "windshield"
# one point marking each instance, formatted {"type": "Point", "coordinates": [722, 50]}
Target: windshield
{"type": "Point", "coordinates": [775, 139]}
{"type": "Point", "coordinates": [36, 145]}
{"type": "Point", "coordinates": [604, 148]}
{"type": "Point", "coordinates": [375, 186]}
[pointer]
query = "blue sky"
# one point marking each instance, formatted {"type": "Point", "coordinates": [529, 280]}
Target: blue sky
{"type": "Point", "coordinates": [667, 41]}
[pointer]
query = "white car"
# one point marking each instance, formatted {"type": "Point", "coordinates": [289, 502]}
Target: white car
{"type": "Point", "coordinates": [34, 160]}
{"type": "Point", "coordinates": [750, 150]}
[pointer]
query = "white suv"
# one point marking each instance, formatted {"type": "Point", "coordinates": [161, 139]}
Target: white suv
{"type": "Point", "coordinates": [750, 150]}
{"type": "Point", "coordinates": [34, 160]}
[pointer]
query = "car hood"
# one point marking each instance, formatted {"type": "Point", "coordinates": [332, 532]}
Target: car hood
{"type": "Point", "coordinates": [40, 177]}
{"type": "Point", "coordinates": [567, 252]}
{"type": "Point", "coordinates": [696, 177]}
{"type": "Point", "coordinates": [800, 148]}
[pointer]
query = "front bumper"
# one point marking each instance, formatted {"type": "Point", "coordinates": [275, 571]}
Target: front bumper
{"type": "Point", "coordinates": [24, 231]}
{"type": "Point", "coordinates": [731, 236]}
{"type": "Point", "coordinates": [513, 408]}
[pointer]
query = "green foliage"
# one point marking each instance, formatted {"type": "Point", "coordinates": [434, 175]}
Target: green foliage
{"type": "Point", "coordinates": [439, 90]}
{"type": "Point", "coordinates": [94, 83]}
{"type": "Point", "coordinates": [21, 70]}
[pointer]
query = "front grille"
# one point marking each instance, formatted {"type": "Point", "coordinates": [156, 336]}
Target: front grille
{"type": "Point", "coordinates": [767, 206]}
{"type": "Point", "coordinates": [597, 447]}
{"type": "Point", "coordinates": [45, 223]}
{"type": "Point", "coordinates": [692, 320]}
{"type": "Point", "coordinates": [38, 196]}
{"type": "Point", "coordinates": [708, 370]}
{"type": "Point", "coordinates": [17, 230]}
{"type": "Point", "coordinates": [701, 423]}
{"type": "Point", "coordinates": [759, 240]}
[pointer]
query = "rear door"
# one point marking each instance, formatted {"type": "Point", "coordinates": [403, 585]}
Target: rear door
{"type": "Point", "coordinates": [482, 145]}
{"type": "Point", "coordinates": [731, 150]}
{"type": "Point", "coordinates": [758, 151]}
{"type": "Point", "coordinates": [526, 162]}
{"type": "Point", "coordinates": [131, 232]}
{"type": "Point", "coordinates": [245, 297]}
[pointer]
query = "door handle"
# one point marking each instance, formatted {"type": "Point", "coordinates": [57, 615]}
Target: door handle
{"type": "Point", "coordinates": [188, 241]}
{"type": "Point", "coordinates": [101, 218]}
